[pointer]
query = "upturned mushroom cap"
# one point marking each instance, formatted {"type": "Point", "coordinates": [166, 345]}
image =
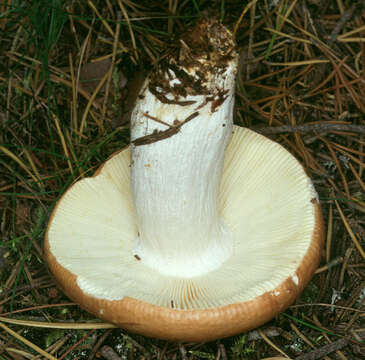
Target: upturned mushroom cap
{"type": "Point", "coordinates": [266, 200]}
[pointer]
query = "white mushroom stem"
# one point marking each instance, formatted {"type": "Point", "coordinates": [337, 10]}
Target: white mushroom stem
{"type": "Point", "coordinates": [178, 144]}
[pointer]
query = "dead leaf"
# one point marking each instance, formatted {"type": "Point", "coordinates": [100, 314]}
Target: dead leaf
{"type": "Point", "coordinates": [93, 72]}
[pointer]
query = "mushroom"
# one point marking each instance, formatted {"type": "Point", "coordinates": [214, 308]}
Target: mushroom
{"type": "Point", "coordinates": [199, 229]}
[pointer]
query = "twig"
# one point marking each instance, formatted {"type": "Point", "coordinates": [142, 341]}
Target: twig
{"type": "Point", "coordinates": [324, 350]}
{"type": "Point", "coordinates": [38, 307]}
{"type": "Point", "coordinates": [264, 337]}
{"type": "Point", "coordinates": [346, 16]}
{"type": "Point", "coordinates": [27, 342]}
{"type": "Point", "coordinates": [350, 232]}
{"type": "Point", "coordinates": [160, 135]}
{"type": "Point", "coordinates": [269, 332]}
{"type": "Point", "coordinates": [328, 305]}
{"type": "Point", "coordinates": [98, 344]}
{"type": "Point", "coordinates": [330, 264]}
{"type": "Point", "coordinates": [183, 352]}
{"type": "Point", "coordinates": [58, 325]}
{"type": "Point", "coordinates": [76, 345]}
{"type": "Point", "coordinates": [270, 130]}
{"type": "Point", "coordinates": [223, 352]}
{"type": "Point", "coordinates": [112, 65]}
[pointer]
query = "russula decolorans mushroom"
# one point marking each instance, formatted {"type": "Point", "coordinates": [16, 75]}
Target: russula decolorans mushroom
{"type": "Point", "coordinates": [190, 233]}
